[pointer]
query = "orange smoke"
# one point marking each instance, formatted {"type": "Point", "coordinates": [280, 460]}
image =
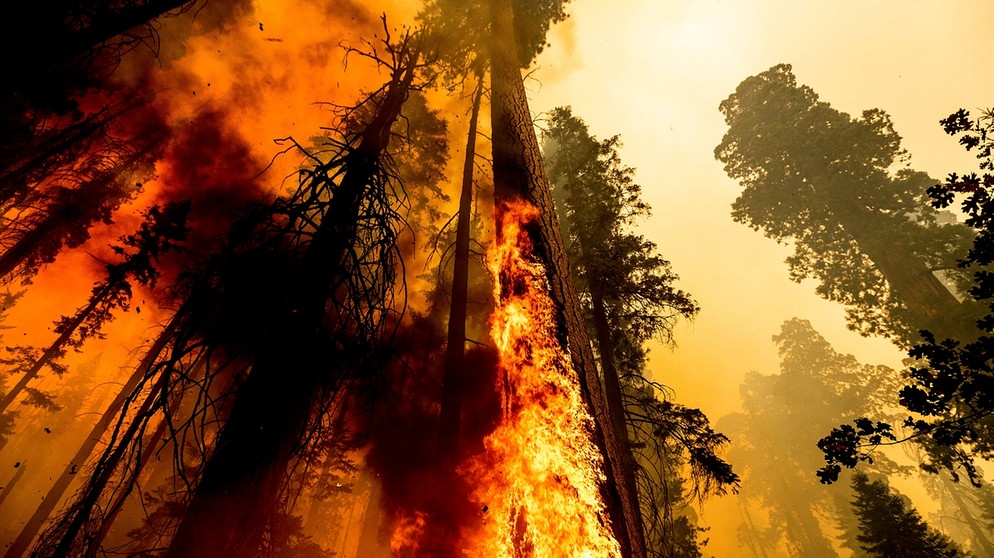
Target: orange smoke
{"type": "Point", "coordinates": [407, 533]}
{"type": "Point", "coordinates": [537, 480]}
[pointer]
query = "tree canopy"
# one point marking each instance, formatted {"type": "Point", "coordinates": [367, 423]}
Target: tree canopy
{"type": "Point", "coordinates": [838, 189]}
{"type": "Point", "coordinates": [889, 526]}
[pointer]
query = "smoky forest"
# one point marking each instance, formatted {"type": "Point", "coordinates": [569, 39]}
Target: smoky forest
{"type": "Point", "coordinates": [496, 278]}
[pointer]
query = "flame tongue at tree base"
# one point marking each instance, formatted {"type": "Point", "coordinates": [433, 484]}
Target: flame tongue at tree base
{"type": "Point", "coordinates": [537, 481]}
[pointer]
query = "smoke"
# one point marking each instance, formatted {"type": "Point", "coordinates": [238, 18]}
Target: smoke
{"type": "Point", "coordinates": [425, 503]}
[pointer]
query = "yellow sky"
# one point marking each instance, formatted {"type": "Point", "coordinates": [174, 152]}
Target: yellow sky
{"type": "Point", "coordinates": [655, 73]}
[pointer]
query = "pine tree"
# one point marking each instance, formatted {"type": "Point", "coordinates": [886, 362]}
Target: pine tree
{"type": "Point", "coordinates": [890, 527]}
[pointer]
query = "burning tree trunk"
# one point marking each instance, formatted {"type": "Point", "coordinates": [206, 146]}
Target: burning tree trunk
{"type": "Point", "coordinates": [455, 352]}
{"type": "Point", "coordinates": [240, 486]}
{"type": "Point", "coordinates": [519, 176]}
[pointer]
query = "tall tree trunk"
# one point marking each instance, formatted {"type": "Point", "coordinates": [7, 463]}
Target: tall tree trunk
{"type": "Point", "coordinates": [453, 380]}
{"type": "Point", "coordinates": [240, 486]}
{"type": "Point", "coordinates": [933, 305]}
{"type": "Point", "coordinates": [612, 389]}
{"type": "Point", "coordinates": [65, 44]}
{"type": "Point", "coordinates": [519, 175]}
{"type": "Point", "coordinates": [95, 540]}
{"type": "Point", "coordinates": [5, 490]}
{"type": "Point", "coordinates": [38, 159]}
{"type": "Point", "coordinates": [58, 489]}
{"type": "Point", "coordinates": [981, 533]}
{"type": "Point", "coordinates": [755, 538]}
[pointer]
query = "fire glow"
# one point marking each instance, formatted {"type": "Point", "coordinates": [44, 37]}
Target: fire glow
{"type": "Point", "coordinates": [537, 480]}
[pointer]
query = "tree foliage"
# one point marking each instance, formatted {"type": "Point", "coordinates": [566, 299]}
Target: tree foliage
{"type": "Point", "coordinates": [628, 297]}
{"type": "Point", "coordinates": [839, 190]}
{"type": "Point", "coordinates": [951, 388]}
{"type": "Point", "coordinates": [889, 526]}
{"type": "Point", "coordinates": [783, 414]}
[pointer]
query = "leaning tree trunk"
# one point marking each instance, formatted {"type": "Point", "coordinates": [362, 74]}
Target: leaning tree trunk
{"type": "Point", "coordinates": [67, 44]}
{"type": "Point", "coordinates": [519, 175]}
{"type": "Point", "coordinates": [112, 285]}
{"type": "Point", "coordinates": [58, 489]}
{"type": "Point", "coordinates": [612, 388]}
{"type": "Point", "coordinates": [241, 482]}
{"type": "Point", "coordinates": [453, 380]}
{"type": "Point", "coordinates": [39, 159]}
{"type": "Point", "coordinates": [73, 212]}
{"type": "Point", "coordinates": [933, 305]}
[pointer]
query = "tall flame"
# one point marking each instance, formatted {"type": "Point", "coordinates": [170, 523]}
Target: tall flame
{"type": "Point", "coordinates": [537, 480]}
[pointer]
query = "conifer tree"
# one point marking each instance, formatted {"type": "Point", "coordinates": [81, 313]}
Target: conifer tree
{"type": "Point", "coordinates": [889, 526]}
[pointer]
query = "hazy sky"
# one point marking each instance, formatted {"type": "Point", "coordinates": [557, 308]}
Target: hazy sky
{"type": "Point", "coordinates": [655, 72]}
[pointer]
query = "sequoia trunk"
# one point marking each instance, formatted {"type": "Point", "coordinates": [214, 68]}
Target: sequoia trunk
{"type": "Point", "coordinates": [519, 175]}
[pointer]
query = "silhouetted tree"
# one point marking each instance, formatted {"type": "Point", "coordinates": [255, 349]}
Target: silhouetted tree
{"type": "Point", "coordinates": [890, 527]}
{"type": "Point", "coordinates": [338, 305]}
{"type": "Point", "coordinates": [453, 379]}
{"type": "Point", "coordinates": [951, 390]}
{"type": "Point", "coordinates": [161, 231]}
{"type": "Point", "coordinates": [783, 414]}
{"type": "Point", "coordinates": [64, 214]}
{"type": "Point", "coordinates": [824, 181]}
{"type": "Point", "coordinates": [83, 42]}
{"type": "Point", "coordinates": [627, 295]}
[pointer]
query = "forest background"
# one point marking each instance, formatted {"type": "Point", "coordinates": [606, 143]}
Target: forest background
{"type": "Point", "coordinates": [654, 73]}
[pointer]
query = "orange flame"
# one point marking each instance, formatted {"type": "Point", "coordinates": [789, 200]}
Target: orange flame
{"type": "Point", "coordinates": [407, 533]}
{"type": "Point", "coordinates": [537, 480]}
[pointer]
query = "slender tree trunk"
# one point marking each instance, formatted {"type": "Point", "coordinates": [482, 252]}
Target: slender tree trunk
{"type": "Point", "coordinates": [67, 45]}
{"type": "Point", "coordinates": [5, 491]}
{"type": "Point", "coordinates": [240, 486]}
{"type": "Point", "coordinates": [94, 543]}
{"type": "Point", "coordinates": [519, 175]}
{"type": "Point", "coordinates": [36, 161]}
{"type": "Point", "coordinates": [754, 535]}
{"type": "Point", "coordinates": [56, 347]}
{"type": "Point", "coordinates": [58, 489]}
{"type": "Point", "coordinates": [371, 543]}
{"type": "Point", "coordinates": [981, 534]}
{"type": "Point", "coordinates": [453, 381]}
{"type": "Point", "coordinates": [612, 389]}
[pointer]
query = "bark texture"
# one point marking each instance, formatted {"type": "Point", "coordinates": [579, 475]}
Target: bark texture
{"type": "Point", "coordinates": [519, 175]}
{"type": "Point", "coordinates": [933, 305]}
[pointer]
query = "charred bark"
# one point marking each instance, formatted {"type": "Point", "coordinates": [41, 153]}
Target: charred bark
{"type": "Point", "coordinates": [240, 486]}
{"type": "Point", "coordinates": [453, 382]}
{"type": "Point", "coordinates": [519, 175]}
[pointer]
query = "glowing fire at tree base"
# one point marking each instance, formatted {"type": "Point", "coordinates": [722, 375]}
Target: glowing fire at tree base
{"type": "Point", "coordinates": [537, 481]}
